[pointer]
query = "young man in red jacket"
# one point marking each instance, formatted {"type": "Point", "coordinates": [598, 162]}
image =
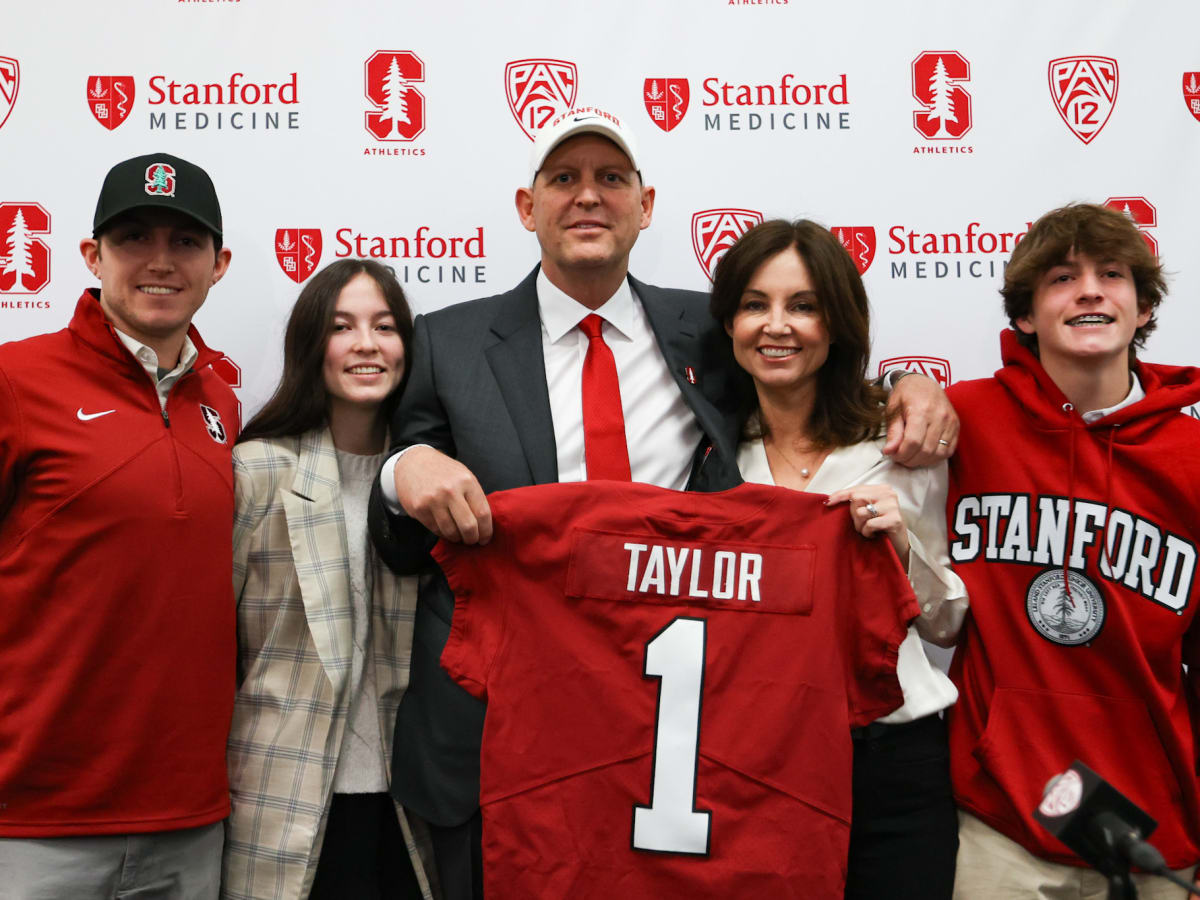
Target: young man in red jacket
{"type": "Point", "coordinates": [117, 648]}
{"type": "Point", "coordinates": [1074, 523]}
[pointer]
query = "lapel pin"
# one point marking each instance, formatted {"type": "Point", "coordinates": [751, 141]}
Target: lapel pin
{"type": "Point", "coordinates": [691, 374]}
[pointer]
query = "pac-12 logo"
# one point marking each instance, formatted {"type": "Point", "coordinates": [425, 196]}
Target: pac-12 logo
{"type": "Point", "coordinates": [1191, 93]}
{"type": "Point", "coordinates": [110, 98]}
{"type": "Point", "coordinates": [1084, 90]}
{"type": "Point", "coordinates": [298, 251]}
{"type": "Point", "coordinates": [937, 84]}
{"type": "Point", "coordinates": [666, 100]}
{"type": "Point", "coordinates": [10, 83]}
{"type": "Point", "coordinates": [715, 230]}
{"type": "Point", "coordinates": [933, 366]}
{"type": "Point", "coordinates": [1143, 214]}
{"type": "Point", "coordinates": [388, 79]}
{"type": "Point", "coordinates": [538, 90]}
{"type": "Point", "coordinates": [24, 258]}
{"type": "Point", "coordinates": [859, 241]}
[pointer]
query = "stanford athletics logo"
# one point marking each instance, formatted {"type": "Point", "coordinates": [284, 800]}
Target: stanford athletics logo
{"type": "Point", "coordinates": [24, 259]}
{"type": "Point", "coordinates": [388, 78]}
{"type": "Point", "coordinates": [937, 79]}
{"type": "Point", "coordinates": [1191, 94]}
{"type": "Point", "coordinates": [298, 251]}
{"type": "Point", "coordinates": [666, 100]}
{"type": "Point", "coordinates": [715, 230]}
{"type": "Point", "coordinates": [160, 179]}
{"type": "Point", "coordinates": [859, 241]}
{"type": "Point", "coordinates": [934, 366]}
{"type": "Point", "coordinates": [1142, 212]}
{"type": "Point", "coordinates": [1084, 89]}
{"type": "Point", "coordinates": [538, 90]}
{"type": "Point", "coordinates": [10, 82]}
{"type": "Point", "coordinates": [110, 98]}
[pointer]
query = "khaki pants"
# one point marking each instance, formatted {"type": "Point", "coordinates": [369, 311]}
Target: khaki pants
{"type": "Point", "coordinates": [992, 867]}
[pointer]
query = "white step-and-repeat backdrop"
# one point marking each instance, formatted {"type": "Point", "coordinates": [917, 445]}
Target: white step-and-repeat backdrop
{"type": "Point", "coordinates": [927, 134]}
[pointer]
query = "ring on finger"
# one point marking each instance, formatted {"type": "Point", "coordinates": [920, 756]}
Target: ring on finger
{"type": "Point", "coordinates": [872, 509]}
{"type": "Point", "coordinates": [943, 442]}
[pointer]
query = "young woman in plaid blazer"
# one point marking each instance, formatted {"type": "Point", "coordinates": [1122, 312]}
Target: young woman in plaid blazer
{"type": "Point", "coordinates": [324, 629]}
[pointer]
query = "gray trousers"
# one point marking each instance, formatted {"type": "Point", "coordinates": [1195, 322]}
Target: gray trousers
{"type": "Point", "coordinates": [165, 865]}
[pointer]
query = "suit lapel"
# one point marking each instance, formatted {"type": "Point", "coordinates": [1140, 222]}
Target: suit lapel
{"type": "Point", "coordinates": [518, 366]}
{"type": "Point", "coordinates": [317, 531]}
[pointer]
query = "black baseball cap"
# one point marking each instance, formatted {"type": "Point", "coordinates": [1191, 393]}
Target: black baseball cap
{"type": "Point", "coordinates": [161, 180]}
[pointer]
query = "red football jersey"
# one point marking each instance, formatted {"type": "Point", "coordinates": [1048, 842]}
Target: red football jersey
{"type": "Point", "coordinates": [671, 680]}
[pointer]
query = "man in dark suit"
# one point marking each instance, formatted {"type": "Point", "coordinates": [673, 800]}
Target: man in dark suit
{"type": "Point", "coordinates": [494, 402]}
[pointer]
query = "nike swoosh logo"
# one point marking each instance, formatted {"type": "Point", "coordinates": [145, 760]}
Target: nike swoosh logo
{"type": "Point", "coordinates": [84, 417]}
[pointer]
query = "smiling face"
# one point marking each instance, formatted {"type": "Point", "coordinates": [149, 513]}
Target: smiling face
{"type": "Point", "coordinates": [1084, 311]}
{"type": "Point", "coordinates": [778, 330]}
{"type": "Point", "coordinates": [587, 205]}
{"type": "Point", "coordinates": [155, 268]}
{"type": "Point", "coordinates": [364, 356]}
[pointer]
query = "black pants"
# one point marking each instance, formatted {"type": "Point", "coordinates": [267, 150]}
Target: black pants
{"type": "Point", "coordinates": [904, 832]}
{"type": "Point", "coordinates": [364, 856]}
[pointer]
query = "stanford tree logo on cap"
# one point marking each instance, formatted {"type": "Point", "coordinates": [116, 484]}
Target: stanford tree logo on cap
{"type": "Point", "coordinates": [160, 179]}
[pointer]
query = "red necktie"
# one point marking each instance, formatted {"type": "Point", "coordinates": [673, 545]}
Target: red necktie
{"type": "Point", "coordinates": [603, 422]}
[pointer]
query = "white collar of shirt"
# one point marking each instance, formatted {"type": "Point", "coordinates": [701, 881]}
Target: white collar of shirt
{"type": "Point", "coordinates": [149, 361]}
{"type": "Point", "coordinates": [561, 312]}
{"type": "Point", "coordinates": [1135, 394]}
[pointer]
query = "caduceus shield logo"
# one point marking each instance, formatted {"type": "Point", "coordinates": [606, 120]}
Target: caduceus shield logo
{"type": "Point", "coordinates": [1191, 93]}
{"type": "Point", "coordinates": [538, 90]}
{"type": "Point", "coordinates": [715, 230]}
{"type": "Point", "coordinates": [1084, 90]}
{"type": "Point", "coordinates": [859, 241]}
{"type": "Point", "coordinates": [110, 98]}
{"type": "Point", "coordinates": [10, 82]}
{"type": "Point", "coordinates": [298, 251]}
{"type": "Point", "coordinates": [666, 100]}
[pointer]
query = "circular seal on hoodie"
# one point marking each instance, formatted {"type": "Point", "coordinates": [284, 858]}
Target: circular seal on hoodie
{"type": "Point", "coordinates": [1067, 619]}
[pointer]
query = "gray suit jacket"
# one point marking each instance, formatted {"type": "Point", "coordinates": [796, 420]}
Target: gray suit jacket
{"type": "Point", "coordinates": [477, 391]}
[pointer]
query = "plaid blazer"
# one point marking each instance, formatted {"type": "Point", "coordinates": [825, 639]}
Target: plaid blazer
{"type": "Point", "coordinates": [295, 637]}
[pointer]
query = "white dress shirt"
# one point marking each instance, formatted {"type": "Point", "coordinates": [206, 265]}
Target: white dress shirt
{"type": "Point", "coordinates": [940, 593]}
{"type": "Point", "coordinates": [149, 360]}
{"type": "Point", "coordinates": [660, 430]}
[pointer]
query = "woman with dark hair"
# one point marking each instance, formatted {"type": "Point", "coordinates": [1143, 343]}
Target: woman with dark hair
{"type": "Point", "coordinates": [796, 313]}
{"type": "Point", "coordinates": [324, 629]}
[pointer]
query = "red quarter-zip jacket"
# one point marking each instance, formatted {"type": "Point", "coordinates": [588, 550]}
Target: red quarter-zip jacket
{"type": "Point", "coordinates": [1047, 676]}
{"type": "Point", "coordinates": [117, 642]}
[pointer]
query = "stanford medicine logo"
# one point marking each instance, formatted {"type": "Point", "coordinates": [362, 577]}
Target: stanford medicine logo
{"type": "Point", "coordinates": [388, 79]}
{"type": "Point", "coordinates": [934, 366]}
{"type": "Point", "coordinates": [1143, 214]}
{"type": "Point", "coordinates": [24, 258]}
{"type": "Point", "coordinates": [1084, 90]}
{"type": "Point", "coordinates": [1191, 94]}
{"type": "Point", "coordinates": [298, 251]}
{"type": "Point", "coordinates": [538, 90]}
{"type": "Point", "coordinates": [859, 241]}
{"type": "Point", "coordinates": [666, 101]}
{"type": "Point", "coordinates": [10, 82]}
{"type": "Point", "coordinates": [937, 84]}
{"type": "Point", "coordinates": [110, 97]}
{"type": "Point", "coordinates": [715, 230]}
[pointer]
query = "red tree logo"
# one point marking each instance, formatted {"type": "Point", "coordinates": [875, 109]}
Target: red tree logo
{"type": "Point", "coordinates": [24, 259]}
{"type": "Point", "coordinates": [937, 84]}
{"type": "Point", "coordinates": [388, 78]}
{"type": "Point", "coordinates": [1143, 214]}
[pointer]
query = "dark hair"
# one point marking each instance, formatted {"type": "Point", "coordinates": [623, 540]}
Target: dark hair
{"type": "Point", "coordinates": [1096, 231]}
{"type": "Point", "coordinates": [847, 409]}
{"type": "Point", "coordinates": [301, 401]}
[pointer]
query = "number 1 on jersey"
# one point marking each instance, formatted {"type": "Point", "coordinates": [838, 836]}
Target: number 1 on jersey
{"type": "Point", "coordinates": [671, 823]}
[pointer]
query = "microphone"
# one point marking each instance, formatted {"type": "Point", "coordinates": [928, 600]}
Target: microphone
{"type": "Point", "coordinates": [1097, 821]}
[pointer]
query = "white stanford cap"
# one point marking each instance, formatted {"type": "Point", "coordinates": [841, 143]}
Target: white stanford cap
{"type": "Point", "coordinates": [582, 120]}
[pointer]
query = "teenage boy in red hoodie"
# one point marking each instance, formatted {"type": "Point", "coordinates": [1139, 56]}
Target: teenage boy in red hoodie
{"type": "Point", "coordinates": [1075, 466]}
